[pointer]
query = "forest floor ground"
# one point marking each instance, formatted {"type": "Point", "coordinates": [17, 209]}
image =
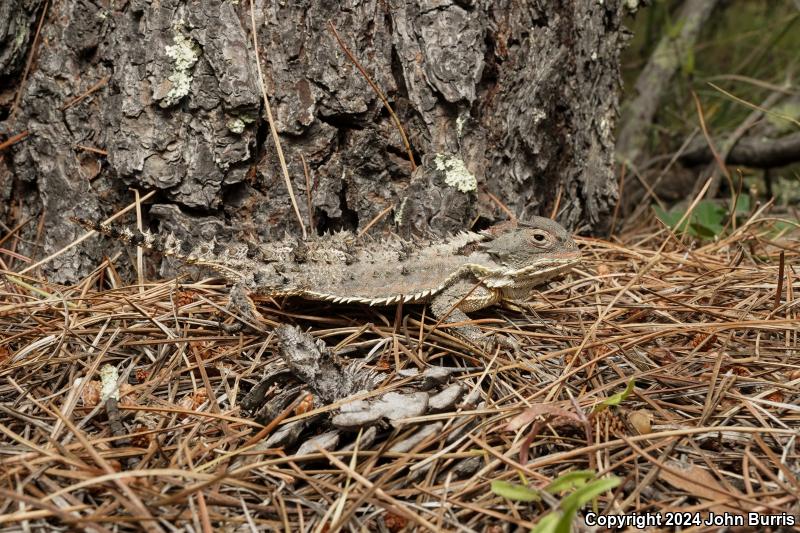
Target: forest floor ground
{"type": "Point", "coordinates": [662, 375]}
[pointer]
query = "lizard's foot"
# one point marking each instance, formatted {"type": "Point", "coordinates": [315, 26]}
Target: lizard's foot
{"type": "Point", "coordinates": [241, 303]}
{"type": "Point", "coordinates": [248, 325]}
{"type": "Point", "coordinates": [488, 344]}
{"type": "Point", "coordinates": [231, 329]}
{"type": "Point", "coordinates": [446, 307]}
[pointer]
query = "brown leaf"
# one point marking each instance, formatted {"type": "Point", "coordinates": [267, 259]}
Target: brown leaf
{"type": "Point", "coordinates": [531, 413]}
{"type": "Point", "coordinates": [698, 482]}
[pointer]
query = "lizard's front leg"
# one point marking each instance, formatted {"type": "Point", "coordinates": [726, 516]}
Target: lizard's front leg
{"type": "Point", "coordinates": [240, 303]}
{"type": "Point", "coordinates": [467, 295]}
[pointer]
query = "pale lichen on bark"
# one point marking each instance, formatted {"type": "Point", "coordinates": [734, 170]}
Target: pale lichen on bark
{"type": "Point", "coordinates": [184, 54]}
{"type": "Point", "coordinates": [456, 173]}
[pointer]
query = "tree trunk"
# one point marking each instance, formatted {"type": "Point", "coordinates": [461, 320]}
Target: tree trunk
{"type": "Point", "coordinates": [510, 103]}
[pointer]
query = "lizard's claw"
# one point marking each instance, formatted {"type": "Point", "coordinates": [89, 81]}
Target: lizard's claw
{"type": "Point", "coordinates": [488, 344]}
{"type": "Point", "coordinates": [231, 329]}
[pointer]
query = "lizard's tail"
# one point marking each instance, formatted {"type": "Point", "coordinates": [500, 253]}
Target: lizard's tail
{"type": "Point", "coordinates": [212, 255]}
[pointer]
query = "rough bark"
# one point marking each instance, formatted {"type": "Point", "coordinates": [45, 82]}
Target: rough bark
{"type": "Point", "coordinates": [514, 99]}
{"type": "Point", "coordinates": [17, 30]}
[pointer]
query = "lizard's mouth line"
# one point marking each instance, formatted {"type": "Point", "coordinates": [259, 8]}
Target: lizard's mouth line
{"type": "Point", "coordinates": [573, 255]}
{"type": "Point", "coordinates": [538, 271]}
{"type": "Point", "coordinates": [554, 263]}
{"type": "Point", "coordinates": [561, 258]}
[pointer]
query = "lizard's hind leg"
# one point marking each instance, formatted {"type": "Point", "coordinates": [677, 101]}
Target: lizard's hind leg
{"type": "Point", "coordinates": [244, 310]}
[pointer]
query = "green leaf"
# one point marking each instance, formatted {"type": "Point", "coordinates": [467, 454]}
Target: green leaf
{"type": "Point", "coordinates": [617, 398]}
{"type": "Point", "coordinates": [708, 218]}
{"type": "Point", "coordinates": [570, 480]}
{"type": "Point", "coordinates": [547, 524]}
{"type": "Point", "coordinates": [572, 503]}
{"type": "Point", "coordinates": [706, 221]}
{"type": "Point", "coordinates": [710, 211]}
{"type": "Point", "coordinates": [565, 523]}
{"type": "Point", "coordinates": [742, 204]}
{"type": "Point", "coordinates": [587, 491]}
{"type": "Point", "coordinates": [512, 491]}
{"type": "Point", "coordinates": [671, 218]}
{"type": "Point", "coordinates": [700, 230]}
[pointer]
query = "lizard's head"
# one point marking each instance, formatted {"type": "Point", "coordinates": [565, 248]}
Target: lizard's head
{"type": "Point", "coordinates": [535, 250]}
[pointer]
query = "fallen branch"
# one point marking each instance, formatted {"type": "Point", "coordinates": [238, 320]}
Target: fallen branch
{"type": "Point", "coordinates": [758, 152]}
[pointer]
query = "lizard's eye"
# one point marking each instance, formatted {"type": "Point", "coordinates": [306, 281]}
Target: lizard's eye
{"type": "Point", "coordinates": [540, 238]}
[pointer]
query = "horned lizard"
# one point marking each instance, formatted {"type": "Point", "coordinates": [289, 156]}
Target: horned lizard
{"type": "Point", "coordinates": [454, 275]}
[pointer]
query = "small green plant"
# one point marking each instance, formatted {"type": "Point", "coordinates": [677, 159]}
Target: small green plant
{"type": "Point", "coordinates": [583, 487]}
{"type": "Point", "coordinates": [515, 492]}
{"type": "Point", "coordinates": [616, 399]}
{"type": "Point", "coordinates": [706, 221]}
